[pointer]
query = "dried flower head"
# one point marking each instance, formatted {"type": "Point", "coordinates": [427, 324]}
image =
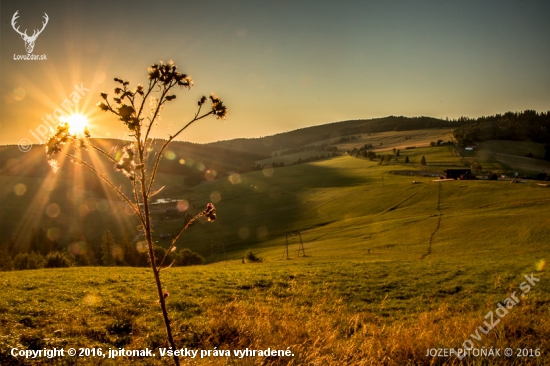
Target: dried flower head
{"type": "Point", "coordinates": [54, 164]}
{"type": "Point", "coordinates": [220, 111]}
{"type": "Point", "coordinates": [60, 138]}
{"type": "Point", "coordinates": [102, 106]}
{"type": "Point", "coordinates": [126, 162]}
{"type": "Point", "coordinates": [210, 212]}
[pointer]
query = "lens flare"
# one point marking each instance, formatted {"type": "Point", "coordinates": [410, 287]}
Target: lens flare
{"type": "Point", "coordinates": [77, 248]}
{"type": "Point", "coordinates": [268, 170]}
{"type": "Point", "coordinates": [141, 246]}
{"type": "Point", "coordinates": [53, 233]}
{"type": "Point", "coordinates": [215, 197]}
{"type": "Point", "coordinates": [170, 155]}
{"type": "Point", "coordinates": [20, 189]}
{"type": "Point", "coordinates": [53, 210]}
{"type": "Point", "coordinates": [244, 233]}
{"type": "Point", "coordinates": [262, 232]}
{"type": "Point", "coordinates": [235, 178]}
{"type": "Point", "coordinates": [210, 174]}
{"type": "Point", "coordinates": [183, 205]}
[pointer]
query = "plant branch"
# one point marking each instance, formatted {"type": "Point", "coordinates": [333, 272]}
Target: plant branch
{"type": "Point", "coordinates": [202, 213]}
{"type": "Point", "coordinates": [104, 153]}
{"type": "Point", "coordinates": [156, 272]}
{"type": "Point", "coordinates": [135, 189]}
{"type": "Point", "coordinates": [161, 101]}
{"type": "Point", "coordinates": [150, 88]}
{"type": "Point", "coordinates": [82, 162]}
{"type": "Point", "coordinates": [159, 156]}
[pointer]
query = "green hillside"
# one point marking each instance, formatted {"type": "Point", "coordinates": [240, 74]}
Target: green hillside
{"type": "Point", "coordinates": [391, 270]}
{"type": "Point", "coordinates": [84, 203]}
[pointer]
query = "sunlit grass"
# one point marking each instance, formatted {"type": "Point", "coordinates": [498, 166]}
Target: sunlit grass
{"type": "Point", "coordinates": [354, 311]}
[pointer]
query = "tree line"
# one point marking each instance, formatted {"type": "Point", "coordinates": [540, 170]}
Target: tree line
{"type": "Point", "coordinates": [46, 253]}
{"type": "Point", "coordinates": [515, 126]}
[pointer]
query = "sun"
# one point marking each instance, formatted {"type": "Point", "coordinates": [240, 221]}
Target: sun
{"type": "Point", "coordinates": [77, 123]}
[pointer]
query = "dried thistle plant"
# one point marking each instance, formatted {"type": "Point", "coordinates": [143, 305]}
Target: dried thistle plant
{"type": "Point", "coordinates": [128, 105]}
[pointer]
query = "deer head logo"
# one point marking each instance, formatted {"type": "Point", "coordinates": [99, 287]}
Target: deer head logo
{"type": "Point", "coordinates": [29, 41]}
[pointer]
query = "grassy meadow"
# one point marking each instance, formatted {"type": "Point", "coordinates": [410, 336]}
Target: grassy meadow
{"type": "Point", "coordinates": [509, 156]}
{"type": "Point", "coordinates": [391, 270]}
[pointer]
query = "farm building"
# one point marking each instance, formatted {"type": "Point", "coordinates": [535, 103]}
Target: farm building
{"type": "Point", "coordinates": [468, 176]}
{"type": "Point", "coordinates": [457, 173]}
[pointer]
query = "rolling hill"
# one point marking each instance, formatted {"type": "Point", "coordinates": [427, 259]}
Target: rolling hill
{"type": "Point", "coordinates": [79, 202]}
{"type": "Point", "coordinates": [392, 269]}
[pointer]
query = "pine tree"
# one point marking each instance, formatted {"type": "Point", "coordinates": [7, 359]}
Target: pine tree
{"type": "Point", "coordinates": [423, 161]}
{"type": "Point", "coordinates": [406, 159]}
{"type": "Point", "coordinates": [107, 245]}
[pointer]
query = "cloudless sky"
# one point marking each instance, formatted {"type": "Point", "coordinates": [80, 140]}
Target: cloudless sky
{"type": "Point", "coordinates": [279, 65]}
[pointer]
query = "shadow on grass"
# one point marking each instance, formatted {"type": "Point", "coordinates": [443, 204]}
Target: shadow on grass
{"type": "Point", "coordinates": [264, 207]}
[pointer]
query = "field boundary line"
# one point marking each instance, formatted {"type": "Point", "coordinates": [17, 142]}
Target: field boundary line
{"type": "Point", "coordinates": [429, 251]}
{"type": "Point", "coordinates": [394, 207]}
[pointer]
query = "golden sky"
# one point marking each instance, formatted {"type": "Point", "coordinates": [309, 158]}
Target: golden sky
{"type": "Point", "coordinates": [277, 65]}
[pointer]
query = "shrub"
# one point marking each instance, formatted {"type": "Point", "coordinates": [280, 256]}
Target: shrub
{"type": "Point", "coordinates": [28, 261]}
{"type": "Point", "coordinates": [160, 252]}
{"type": "Point", "coordinates": [58, 260]}
{"type": "Point", "coordinates": [187, 257]}
{"type": "Point", "coordinates": [251, 257]}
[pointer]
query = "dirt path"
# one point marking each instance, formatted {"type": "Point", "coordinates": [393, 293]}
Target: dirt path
{"type": "Point", "coordinates": [437, 227]}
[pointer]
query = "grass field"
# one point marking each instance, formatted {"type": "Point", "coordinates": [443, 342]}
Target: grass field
{"type": "Point", "coordinates": [509, 156]}
{"type": "Point", "coordinates": [391, 270]}
{"type": "Point", "coordinates": [381, 141]}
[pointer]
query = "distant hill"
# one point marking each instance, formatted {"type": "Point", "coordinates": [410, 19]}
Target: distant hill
{"type": "Point", "coordinates": [74, 203]}
{"type": "Point", "coordinates": [224, 156]}
{"type": "Point", "coordinates": [313, 134]}
{"type": "Point", "coordinates": [75, 206]}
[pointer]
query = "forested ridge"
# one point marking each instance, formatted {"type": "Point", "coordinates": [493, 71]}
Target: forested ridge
{"type": "Point", "coordinates": [515, 126]}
